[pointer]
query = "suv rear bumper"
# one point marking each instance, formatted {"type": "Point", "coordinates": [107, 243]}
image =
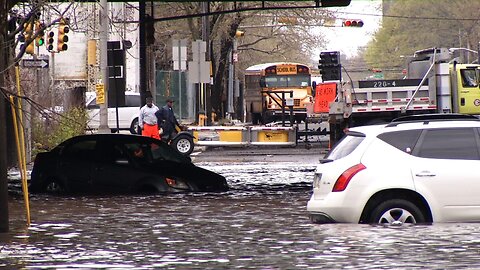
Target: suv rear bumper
{"type": "Point", "coordinates": [321, 218]}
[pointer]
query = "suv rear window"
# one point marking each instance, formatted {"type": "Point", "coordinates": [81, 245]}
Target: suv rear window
{"type": "Point", "coordinates": [458, 143]}
{"type": "Point", "coordinates": [346, 145]}
{"type": "Point", "coordinates": [403, 140]}
{"type": "Point", "coordinates": [132, 101]}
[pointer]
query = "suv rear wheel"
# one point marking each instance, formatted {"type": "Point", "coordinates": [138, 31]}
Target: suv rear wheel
{"type": "Point", "coordinates": [397, 212]}
{"type": "Point", "coordinates": [134, 127]}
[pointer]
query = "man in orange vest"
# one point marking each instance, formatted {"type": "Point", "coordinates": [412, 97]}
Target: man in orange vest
{"type": "Point", "coordinates": [147, 119]}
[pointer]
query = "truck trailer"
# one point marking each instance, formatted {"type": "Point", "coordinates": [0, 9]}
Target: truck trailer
{"type": "Point", "coordinates": [436, 82]}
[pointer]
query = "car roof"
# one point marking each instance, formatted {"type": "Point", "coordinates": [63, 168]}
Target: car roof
{"type": "Point", "coordinates": [91, 95]}
{"type": "Point", "coordinates": [118, 136]}
{"type": "Point", "coordinates": [374, 130]}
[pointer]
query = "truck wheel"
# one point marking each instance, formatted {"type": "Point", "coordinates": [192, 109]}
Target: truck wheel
{"type": "Point", "coordinates": [183, 144]}
{"type": "Point", "coordinates": [134, 126]}
{"type": "Point", "coordinates": [397, 212]}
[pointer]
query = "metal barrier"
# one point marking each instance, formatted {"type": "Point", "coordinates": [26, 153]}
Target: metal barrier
{"type": "Point", "coordinates": [244, 136]}
{"type": "Point", "coordinates": [220, 136]}
{"type": "Point", "coordinates": [273, 136]}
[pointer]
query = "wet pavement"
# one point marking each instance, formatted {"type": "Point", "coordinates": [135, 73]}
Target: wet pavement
{"type": "Point", "coordinates": [261, 223]}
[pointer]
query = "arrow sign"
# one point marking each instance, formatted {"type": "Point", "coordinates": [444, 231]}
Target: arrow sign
{"type": "Point", "coordinates": [38, 63]}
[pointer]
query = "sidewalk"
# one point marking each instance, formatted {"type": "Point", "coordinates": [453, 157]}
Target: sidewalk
{"type": "Point", "coordinates": [299, 153]}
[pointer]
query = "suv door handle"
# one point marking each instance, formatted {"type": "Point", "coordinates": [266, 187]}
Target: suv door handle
{"type": "Point", "coordinates": [425, 174]}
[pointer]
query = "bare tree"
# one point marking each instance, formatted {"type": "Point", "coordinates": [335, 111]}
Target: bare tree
{"type": "Point", "coordinates": [267, 38]}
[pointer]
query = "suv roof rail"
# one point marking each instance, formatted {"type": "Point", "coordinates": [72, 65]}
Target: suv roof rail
{"type": "Point", "coordinates": [431, 117]}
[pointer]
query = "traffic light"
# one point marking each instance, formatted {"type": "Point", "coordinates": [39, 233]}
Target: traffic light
{"type": "Point", "coordinates": [239, 33]}
{"type": "Point", "coordinates": [28, 30]}
{"type": "Point", "coordinates": [40, 32]}
{"type": "Point", "coordinates": [50, 41]}
{"type": "Point", "coordinates": [352, 23]}
{"type": "Point", "coordinates": [62, 37]}
{"type": "Point", "coordinates": [329, 66]}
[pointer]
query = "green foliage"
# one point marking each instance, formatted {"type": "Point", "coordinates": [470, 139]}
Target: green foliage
{"type": "Point", "coordinates": [411, 25]}
{"type": "Point", "coordinates": [52, 129]}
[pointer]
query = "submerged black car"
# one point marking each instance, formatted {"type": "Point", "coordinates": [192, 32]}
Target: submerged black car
{"type": "Point", "coordinates": [118, 163]}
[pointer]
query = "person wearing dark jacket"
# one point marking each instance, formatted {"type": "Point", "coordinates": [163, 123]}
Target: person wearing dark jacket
{"type": "Point", "coordinates": [167, 121]}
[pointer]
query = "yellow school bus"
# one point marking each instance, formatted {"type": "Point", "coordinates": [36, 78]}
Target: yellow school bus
{"type": "Point", "coordinates": [276, 91]}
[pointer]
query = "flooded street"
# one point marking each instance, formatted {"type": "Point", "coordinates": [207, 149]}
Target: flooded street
{"type": "Point", "coordinates": [261, 223]}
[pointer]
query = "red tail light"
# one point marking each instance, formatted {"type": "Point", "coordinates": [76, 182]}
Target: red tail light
{"type": "Point", "coordinates": [344, 179]}
{"type": "Point", "coordinates": [170, 181]}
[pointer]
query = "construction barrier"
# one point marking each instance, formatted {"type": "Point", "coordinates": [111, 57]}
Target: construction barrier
{"type": "Point", "coordinates": [273, 136]}
{"type": "Point", "coordinates": [218, 136]}
{"type": "Point", "coordinates": [244, 136]}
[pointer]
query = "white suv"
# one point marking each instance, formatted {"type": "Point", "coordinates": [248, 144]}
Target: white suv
{"type": "Point", "coordinates": [417, 169]}
{"type": "Point", "coordinates": [127, 115]}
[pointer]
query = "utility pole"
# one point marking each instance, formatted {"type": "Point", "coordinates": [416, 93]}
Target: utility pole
{"type": "Point", "coordinates": [103, 39]}
{"type": "Point", "coordinates": [4, 217]}
{"type": "Point", "coordinates": [206, 38]}
{"type": "Point", "coordinates": [143, 51]}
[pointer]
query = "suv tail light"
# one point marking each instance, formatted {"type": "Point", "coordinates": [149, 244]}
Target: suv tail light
{"type": "Point", "coordinates": [342, 181]}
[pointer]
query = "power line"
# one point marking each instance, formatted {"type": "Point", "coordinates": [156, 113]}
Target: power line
{"type": "Point", "coordinates": [409, 17]}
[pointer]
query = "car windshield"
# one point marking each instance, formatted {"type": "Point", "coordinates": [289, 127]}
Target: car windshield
{"type": "Point", "coordinates": [152, 152]}
{"type": "Point", "coordinates": [346, 146]}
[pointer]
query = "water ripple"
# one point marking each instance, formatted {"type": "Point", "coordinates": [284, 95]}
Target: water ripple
{"type": "Point", "coordinates": [260, 224]}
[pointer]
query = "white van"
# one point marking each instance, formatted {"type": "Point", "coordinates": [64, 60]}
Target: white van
{"type": "Point", "coordinates": [127, 115]}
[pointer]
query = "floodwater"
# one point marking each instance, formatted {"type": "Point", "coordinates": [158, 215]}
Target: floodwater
{"type": "Point", "coordinates": [261, 223]}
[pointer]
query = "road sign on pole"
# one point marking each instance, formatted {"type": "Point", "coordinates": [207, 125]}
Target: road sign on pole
{"type": "Point", "coordinates": [37, 63]}
{"type": "Point", "coordinates": [199, 69]}
{"type": "Point", "coordinates": [179, 54]}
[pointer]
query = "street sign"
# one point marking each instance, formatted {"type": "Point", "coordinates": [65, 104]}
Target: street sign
{"type": "Point", "coordinates": [199, 69]}
{"type": "Point", "coordinates": [38, 63]}
{"type": "Point", "coordinates": [179, 54]}
{"type": "Point", "coordinates": [100, 90]}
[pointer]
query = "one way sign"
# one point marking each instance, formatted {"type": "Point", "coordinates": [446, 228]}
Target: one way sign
{"type": "Point", "coordinates": [38, 63]}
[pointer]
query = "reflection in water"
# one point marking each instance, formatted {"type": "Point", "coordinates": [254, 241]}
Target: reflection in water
{"type": "Point", "coordinates": [260, 224]}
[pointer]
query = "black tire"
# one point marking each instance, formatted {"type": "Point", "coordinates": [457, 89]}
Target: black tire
{"type": "Point", "coordinates": [55, 186]}
{"type": "Point", "coordinates": [134, 128]}
{"type": "Point", "coordinates": [397, 212]}
{"type": "Point", "coordinates": [256, 118]}
{"type": "Point", "coordinates": [183, 144]}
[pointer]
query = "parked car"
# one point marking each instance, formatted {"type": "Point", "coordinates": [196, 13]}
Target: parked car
{"type": "Point", "coordinates": [119, 163]}
{"type": "Point", "coordinates": [127, 113]}
{"type": "Point", "coordinates": [416, 169]}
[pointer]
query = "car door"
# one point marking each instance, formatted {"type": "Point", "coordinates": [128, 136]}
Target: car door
{"type": "Point", "coordinates": [115, 172]}
{"type": "Point", "coordinates": [75, 164]}
{"type": "Point", "coordinates": [446, 172]}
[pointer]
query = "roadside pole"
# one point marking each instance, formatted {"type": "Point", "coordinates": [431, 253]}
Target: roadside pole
{"type": "Point", "coordinates": [103, 38]}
